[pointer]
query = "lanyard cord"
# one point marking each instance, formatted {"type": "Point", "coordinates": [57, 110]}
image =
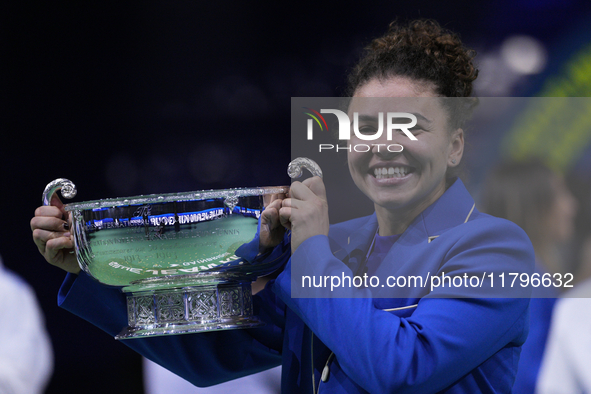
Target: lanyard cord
{"type": "Point", "coordinates": [363, 267]}
{"type": "Point", "coordinates": [325, 371]}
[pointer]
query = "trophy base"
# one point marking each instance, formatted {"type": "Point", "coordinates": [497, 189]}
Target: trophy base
{"type": "Point", "coordinates": [189, 309]}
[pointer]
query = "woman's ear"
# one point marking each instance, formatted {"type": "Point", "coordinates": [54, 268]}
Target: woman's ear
{"type": "Point", "coordinates": [457, 148]}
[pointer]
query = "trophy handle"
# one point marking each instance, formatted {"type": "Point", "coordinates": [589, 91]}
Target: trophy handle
{"type": "Point", "coordinates": [67, 187]}
{"type": "Point", "coordinates": [294, 169]}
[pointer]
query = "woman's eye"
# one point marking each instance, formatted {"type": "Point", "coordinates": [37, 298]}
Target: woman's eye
{"type": "Point", "coordinates": [367, 130]}
{"type": "Point", "coordinates": [416, 130]}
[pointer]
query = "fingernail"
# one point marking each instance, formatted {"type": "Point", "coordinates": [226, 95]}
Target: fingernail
{"type": "Point", "coordinates": [66, 226]}
{"type": "Point", "coordinates": [67, 235]}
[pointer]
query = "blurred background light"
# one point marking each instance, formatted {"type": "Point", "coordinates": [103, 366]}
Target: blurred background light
{"type": "Point", "coordinates": [524, 54]}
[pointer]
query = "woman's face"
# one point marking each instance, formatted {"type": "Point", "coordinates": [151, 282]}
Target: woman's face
{"type": "Point", "coordinates": [414, 178]}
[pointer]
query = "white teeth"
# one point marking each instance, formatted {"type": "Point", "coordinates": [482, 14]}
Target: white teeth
{"type": "Point", "coordinates": [391, 172]}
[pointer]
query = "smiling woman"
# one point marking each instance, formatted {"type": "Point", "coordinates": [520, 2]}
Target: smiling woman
{"type": "Point", "coordinates": [423, 340]}
{"type": "Point", "coordinates": [425, 223]}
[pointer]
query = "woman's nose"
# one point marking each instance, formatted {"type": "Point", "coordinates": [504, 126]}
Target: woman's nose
{"type": "Point", "coordinates": [386, 150]}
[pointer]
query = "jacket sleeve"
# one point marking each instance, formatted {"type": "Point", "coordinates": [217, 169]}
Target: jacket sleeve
{"type": "Point", "coordinates": [204, 359]}
{"type": "Point", "coordinates": [442, 341]}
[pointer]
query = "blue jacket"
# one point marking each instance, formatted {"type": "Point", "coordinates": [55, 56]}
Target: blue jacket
{"type": "Point", "coordinates": [425, 342]}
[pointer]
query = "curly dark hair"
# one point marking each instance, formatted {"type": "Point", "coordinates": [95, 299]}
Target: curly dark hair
{"type": "Point", "coordinates": [421, 50]}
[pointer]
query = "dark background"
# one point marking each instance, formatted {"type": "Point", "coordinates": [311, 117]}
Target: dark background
{"type": "Point", "coordinates": [129, 98]}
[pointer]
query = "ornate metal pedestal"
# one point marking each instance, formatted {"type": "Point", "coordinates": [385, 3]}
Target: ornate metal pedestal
{"type": "Point", "coordinates": [190, 309]}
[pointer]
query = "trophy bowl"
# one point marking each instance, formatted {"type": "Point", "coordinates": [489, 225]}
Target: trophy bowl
{"type": "Point", "coordinates": [174, 255]}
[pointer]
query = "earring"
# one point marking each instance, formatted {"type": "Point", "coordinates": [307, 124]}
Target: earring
{"type": "Point", "coordinates": [453, 161]}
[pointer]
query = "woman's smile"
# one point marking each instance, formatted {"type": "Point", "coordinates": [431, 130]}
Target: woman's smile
{"type": "Point", "coordinates": [393, 171]}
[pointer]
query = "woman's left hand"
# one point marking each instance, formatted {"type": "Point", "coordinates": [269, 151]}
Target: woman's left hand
{"type": "Point", "coordinates": [305, 213]}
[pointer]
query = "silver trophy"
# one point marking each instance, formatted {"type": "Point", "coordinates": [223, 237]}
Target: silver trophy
{"type": "Point", "coordinates": [174, 255]}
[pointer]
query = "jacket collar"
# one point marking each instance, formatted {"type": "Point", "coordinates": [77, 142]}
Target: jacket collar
{"type": "Point", "coordinates": [453, 208]}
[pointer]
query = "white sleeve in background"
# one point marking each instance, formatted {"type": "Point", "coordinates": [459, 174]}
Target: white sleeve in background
{"type": "Point", "coordinates": [26, 357]}
{"type": "Point", "coordinates": [566, 367]}
{"type": "Point", "coordinates": [158, 380]}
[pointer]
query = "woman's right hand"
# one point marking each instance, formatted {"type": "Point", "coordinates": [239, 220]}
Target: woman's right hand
{"type": "Point", "coordinates": [51, 234]}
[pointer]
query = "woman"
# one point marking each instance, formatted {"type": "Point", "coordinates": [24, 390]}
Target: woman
{"type": "Point", "coordinates": [537, 199]}
{"type": "Point", "coordinates": [425, 221]}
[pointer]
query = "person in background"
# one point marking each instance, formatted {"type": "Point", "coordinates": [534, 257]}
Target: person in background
{"type": "Point", "coordinates": [26, 356]}
{"type": "Point", "coordinates": [537, 199]}
{"type": "Point", "coordinates": [566, 367]}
